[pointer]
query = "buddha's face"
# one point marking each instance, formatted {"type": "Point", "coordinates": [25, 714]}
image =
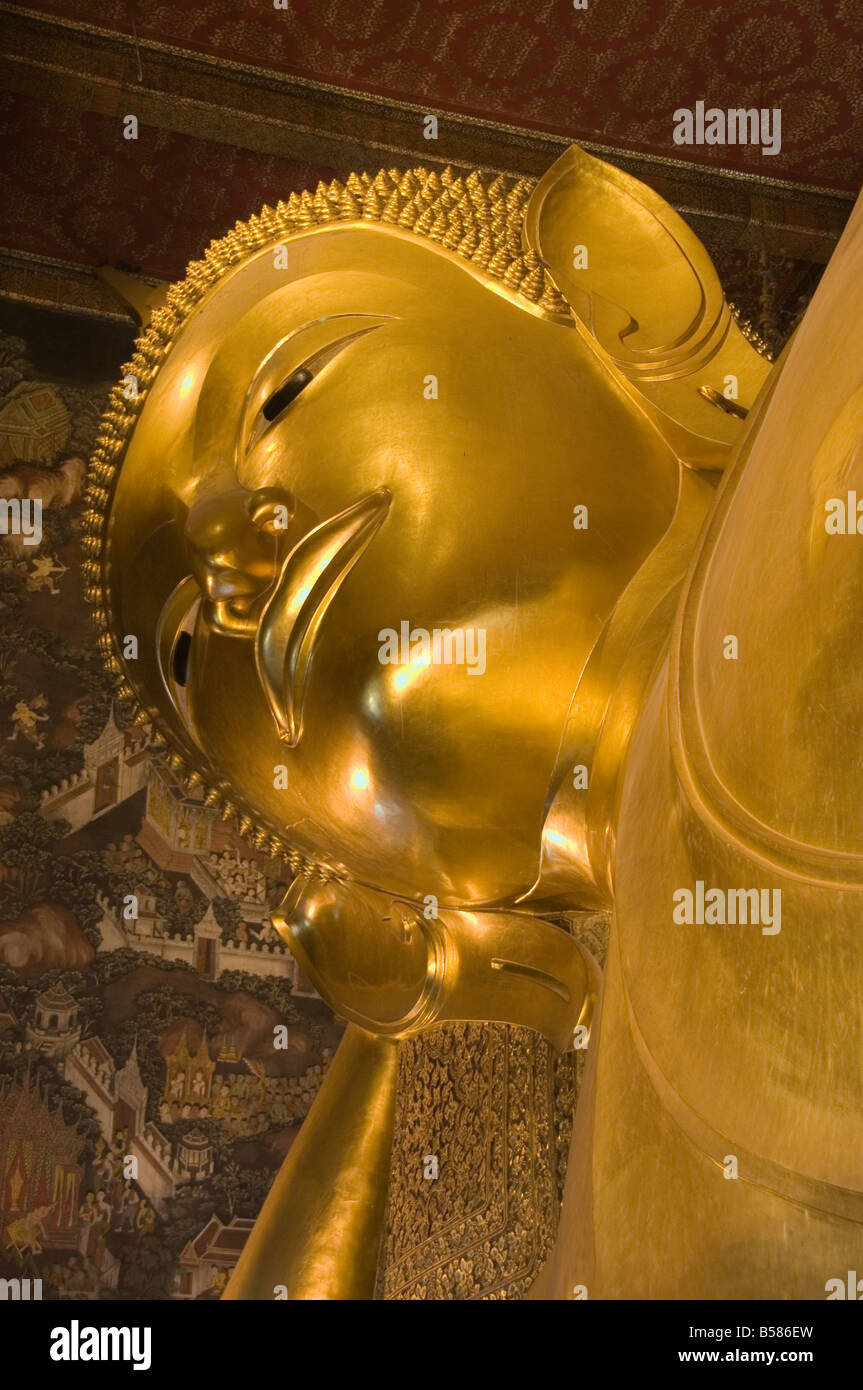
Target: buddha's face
{"type": "Point", "coordinates": [353, 485]}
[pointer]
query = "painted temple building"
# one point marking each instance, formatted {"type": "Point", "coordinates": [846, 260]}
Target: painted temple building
{"type": "Point", "coordinates": [180, 836]}
{"type": "Point", "coordinates": [207, 1261]}
{"type": "Point", "coordinates": [55, 1028]}
{"type": "Point", "coordinates": [233, 1089]}
{"type": "Point", "coordinates": [40, 1174]}
{"type": "Point", "coordinates": [119, 1097]}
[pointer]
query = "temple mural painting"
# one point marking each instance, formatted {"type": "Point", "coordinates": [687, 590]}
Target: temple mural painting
{"type": "Point", "coordinates": [144, 1037]}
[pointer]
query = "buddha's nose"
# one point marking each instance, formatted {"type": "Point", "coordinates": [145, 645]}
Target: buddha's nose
{"type": "Point", "coordinates": [220, 582]}
{"type": "Point", "coordinates": [235, 543]}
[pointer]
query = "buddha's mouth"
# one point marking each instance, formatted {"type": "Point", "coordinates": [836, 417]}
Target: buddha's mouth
{"type": "Point", "coordinates": [283, 623]}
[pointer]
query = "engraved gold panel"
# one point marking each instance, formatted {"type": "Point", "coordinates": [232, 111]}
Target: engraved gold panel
{"type": "Point", "coordinates": [494, 1106]}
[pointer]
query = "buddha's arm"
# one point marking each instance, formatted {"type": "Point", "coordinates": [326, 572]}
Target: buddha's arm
{"type": "Point", "coordinates": [319, 1231]}
{"type": "Point", "coordinates": [379, 962]}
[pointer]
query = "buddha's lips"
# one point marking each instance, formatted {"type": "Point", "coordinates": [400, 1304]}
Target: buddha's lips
{"type": "Point", "coordinates": [290, 621]}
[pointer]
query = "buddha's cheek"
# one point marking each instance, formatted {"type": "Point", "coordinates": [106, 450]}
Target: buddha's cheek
{"type": "Point", "coordinates": [428, 736]}
{"type": "Point", "coordinates": [234, 726]}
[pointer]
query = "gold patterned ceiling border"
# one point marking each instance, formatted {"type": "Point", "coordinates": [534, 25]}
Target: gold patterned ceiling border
{"type": "Point", "coordinates": [94, 69]}
{"type": "Point", "coordinates": [46, 282]}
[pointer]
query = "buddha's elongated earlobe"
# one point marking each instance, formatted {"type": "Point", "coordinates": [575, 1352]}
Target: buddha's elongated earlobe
{"type": "Point", "coordinates": [288, 628]}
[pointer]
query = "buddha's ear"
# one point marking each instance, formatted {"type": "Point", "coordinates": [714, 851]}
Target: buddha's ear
{"type": "Point", "coordinates": [643, 286]}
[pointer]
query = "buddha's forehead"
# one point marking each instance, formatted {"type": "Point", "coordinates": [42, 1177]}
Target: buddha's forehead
{"type": "Point", "coordinates": [288, 288]}
{"type": "Point", "coordinates": [286, 301]}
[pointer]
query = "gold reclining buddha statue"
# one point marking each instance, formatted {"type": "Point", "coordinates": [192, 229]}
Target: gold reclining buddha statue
{"type": "Point", "coordinates": [481, 565]}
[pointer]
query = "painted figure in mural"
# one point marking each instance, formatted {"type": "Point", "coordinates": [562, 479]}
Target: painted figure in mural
{"type": "Point", "coordinates": [25, 718]}
{"type": "Point", "coordinates": [449, 601]}
{"type": "Point", "coordinates": [26, 1234]}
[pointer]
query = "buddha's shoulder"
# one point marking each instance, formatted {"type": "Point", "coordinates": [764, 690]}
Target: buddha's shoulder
{"type": "Point", "coordinates": [766, 677]}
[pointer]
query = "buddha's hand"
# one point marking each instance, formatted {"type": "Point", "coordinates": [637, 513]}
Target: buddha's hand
{"type": "Point", "coordinates": [396, 966]}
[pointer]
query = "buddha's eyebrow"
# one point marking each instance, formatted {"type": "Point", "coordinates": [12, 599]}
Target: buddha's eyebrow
{"type": "Point", "coordinates": [298, 375]}
{"type": "Point", "coordinates": [325, 354]}
{"type": "Point", "coordinates": [374, 320]}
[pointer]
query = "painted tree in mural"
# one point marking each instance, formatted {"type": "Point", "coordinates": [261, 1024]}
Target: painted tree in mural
{"type": "Point", "coordinates": [33, 873]}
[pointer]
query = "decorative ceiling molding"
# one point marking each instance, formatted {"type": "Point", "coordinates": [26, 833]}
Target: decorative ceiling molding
{"type": "Point", "coordinates": [96, 70]}
{"type": "Point", "coordinates": [49, 283]}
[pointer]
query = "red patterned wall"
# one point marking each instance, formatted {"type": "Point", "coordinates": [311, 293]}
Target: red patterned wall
{"type": "Point", "coordinates": [72, 188]}
{"type": "Point", "coordinates": [613, 72]}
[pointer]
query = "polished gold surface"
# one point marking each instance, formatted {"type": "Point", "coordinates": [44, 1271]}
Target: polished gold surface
{"type": "Point", "coordinates": [721, 1042]}
{"type": "Point", "coordinates": [329, 1199]}
{"type": "Point", "coordinates": [393, 968]}
{"type": "Point", "coordinates": [402, 513]}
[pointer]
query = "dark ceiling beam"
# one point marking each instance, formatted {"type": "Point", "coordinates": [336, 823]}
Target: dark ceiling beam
{"type": "Point", "coordinates": [50, 283]}
{"type": "Point", "coordinates": [97, 70]}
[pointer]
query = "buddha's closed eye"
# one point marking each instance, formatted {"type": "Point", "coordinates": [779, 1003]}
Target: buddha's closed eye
{"type": "Point", "coordinates": [282, 398]}
{"type": "Point", "coordinates": [298, 379]}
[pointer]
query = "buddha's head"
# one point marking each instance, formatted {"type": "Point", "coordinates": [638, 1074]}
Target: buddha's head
{"type": "Point", "coordinates": [381, 498]}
